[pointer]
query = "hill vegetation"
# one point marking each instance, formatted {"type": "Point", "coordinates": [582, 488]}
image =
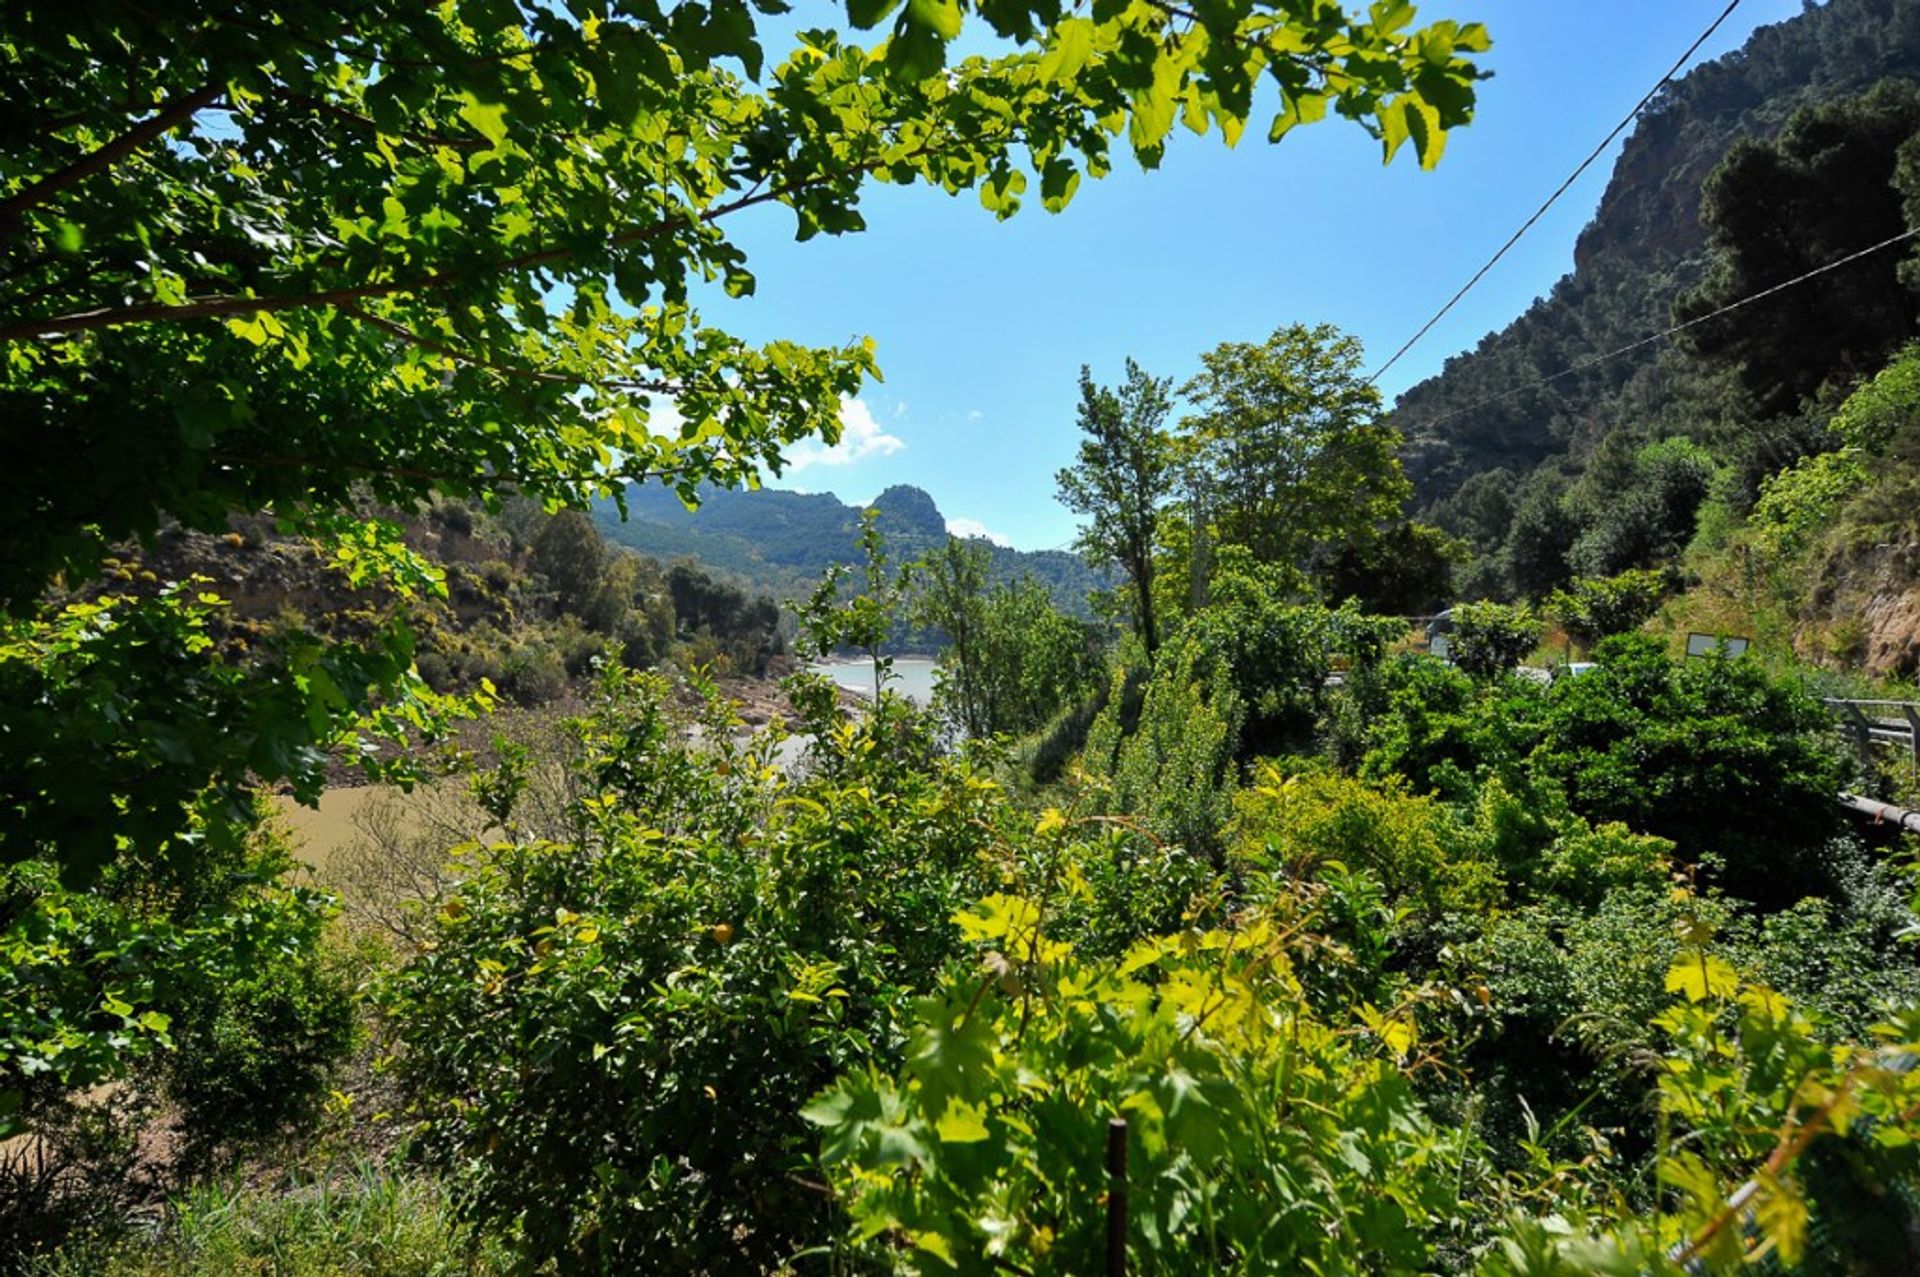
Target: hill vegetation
{"type": "Point", "coordinates": [780, 543]}
{"type": "Point", "coordinates": [1551, 456]}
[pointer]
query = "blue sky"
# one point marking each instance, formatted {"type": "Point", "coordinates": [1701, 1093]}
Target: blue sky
{"type": "Point", "coordinates": [982, 326]}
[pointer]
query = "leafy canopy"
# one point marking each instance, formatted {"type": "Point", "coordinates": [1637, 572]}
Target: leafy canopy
{"type": "Point", "coordinates": [451, 247]}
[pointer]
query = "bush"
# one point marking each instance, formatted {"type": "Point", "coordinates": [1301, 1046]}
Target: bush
{"type": "Point", "coordinates": [1295, 825]}
{"type": "Point", "coordinates": [613, 1036]}
{"type": "Point", "coordinates": [1175, 770]}
{"type": "Point", "coordinates": [116, 1003]}
{"type": "Point", "coordinates": [1489, 639]}
{"type": "Point", "coordinates": [1593, 608]}
{"type": "Point", "coordinates": [1257, 1137]}
{"type": "Point", "coordinates": [1709, 754]}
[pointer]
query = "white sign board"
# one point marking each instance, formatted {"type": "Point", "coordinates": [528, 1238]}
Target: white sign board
{"type": "Point", "coordinates": [1711, 644]}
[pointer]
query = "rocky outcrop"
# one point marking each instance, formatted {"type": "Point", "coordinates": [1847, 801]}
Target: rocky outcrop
{"type": "Point", "coordinates": [1865, 611]}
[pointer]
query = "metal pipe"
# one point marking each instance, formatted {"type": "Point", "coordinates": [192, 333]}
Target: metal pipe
{"type": "Point", "coordinates": [1904, 818]}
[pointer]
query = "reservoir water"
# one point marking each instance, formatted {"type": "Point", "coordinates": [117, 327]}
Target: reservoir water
{"type": "Point", "coordinates": [912, 676]}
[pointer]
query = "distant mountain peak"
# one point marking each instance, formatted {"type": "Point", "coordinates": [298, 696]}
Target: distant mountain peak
{"type": "Point", "coordinates": [910, 511]}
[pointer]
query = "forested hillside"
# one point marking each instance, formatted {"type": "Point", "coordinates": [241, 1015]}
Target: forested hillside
{"type": "Point", "coordinates": [780, 542]}
{"type": "Point", "coordinates": [1510, 409]}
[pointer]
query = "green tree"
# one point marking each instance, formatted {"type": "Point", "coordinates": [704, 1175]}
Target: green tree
{"type": "Point", "coordinates": [1491, 638]}
{"type": "Point", "coordinates": [569, 554]}
{"type": "Point", "coordinates": [1543, 531]}
{"type": "Point", "coordinates": [1822, 189]}
{"type": "Point", "coordinates": [1012, 658]}
{"type": "Point", "coordinates": [835, 620]}
{"type": "Point", "coordinates": [1641, 504]}
{"type": "Point", "coordinates": [1035, 657]}
{"type": "Point", "coordinates": [1594, 608]}
{"type": "Point", "coordinates": [1124, 472]}
{"type": "Point", "coordinates": [1289, 448]}
{"type": "Point", "coordinates": [952, 598]}
{"type": "Point", "coordinates": [351, 280]}
{"type": "Point", "coordinates": [1404, 571]}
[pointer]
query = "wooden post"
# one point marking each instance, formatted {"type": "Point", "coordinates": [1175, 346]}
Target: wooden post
{"type": "Point", "coordinates": [1117, 1197]}
{"type": "Point", "coordinates": [1913, 733]}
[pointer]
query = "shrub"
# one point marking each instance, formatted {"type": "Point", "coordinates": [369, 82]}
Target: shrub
{"type": "Point", "coordinates": [1175, 769]}
{"type": "Point", "coordinates": [1294, 825]}
{"type": "Point", "coordinates": [1257, 1137]}
{"type": "Point", "coordinates": [1489, 639]}
{"type": "Point", "coordinates": [1709, 754]}
{"type": "Point", "coordinates": [613, 1036]}
{"type": "Point", "coordinates": [1593, 608]}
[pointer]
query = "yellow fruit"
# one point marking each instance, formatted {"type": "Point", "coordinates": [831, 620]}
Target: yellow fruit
{"type": "Point", "coordinates": [722, 934]}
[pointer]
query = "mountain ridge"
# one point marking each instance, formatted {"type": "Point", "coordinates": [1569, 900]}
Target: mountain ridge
{"type": "Point", "coordinates": [781, 542]}
{"type": "Point", "coordinates": [1490, 407]}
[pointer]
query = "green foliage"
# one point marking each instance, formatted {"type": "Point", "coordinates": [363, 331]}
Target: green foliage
{"type": "Point", "coordinates": [862, 620]}
{"type": "Point", "coordinates": [1174, 766]}
{"type": "Point", "coordinates": [1406, 570]}
{"type": "Point", "coordinates": [216, 995]}
{"type": "Point", "coordinates": [1640, 511]}
{"type": "Point", "coordinates": [1545, 527]}
{"type": "Point", "coordinates": [348, 282]}
{"type": "Point", "coordinates": [568, 554]}
{"type": "Point", "coordinates": [1258, 1137]}
{"type": "Point", "coordinates": [1489, 639]}
{"type": "Point", "coordinates": [127, 729]}
{"type": "Point", "coordinates": [1011, 661]}
{"type": "Point", "coordinates": [344, 292]}
{"type": "Point", "coordinates": [612, 1038]}
{"type": "Point", "coordinates": [1708, 753]}
{"type": "Point", "coordinates": [368, 1220]}
{"type": "Point", "coordinates": [1752, 1094]}
{"type": "Point", "coordinates": [1879, 418]}
{"type": "Point", "coordinates": [952, 598]}
{"type": "Point", "coordinates": [1287, 454]}
{"type": "Point", "coordinates": [1829, 173]}
{"type": "Point", "coordinates": [1125, 470]}
{"type": "Point", "coordinates": [1592, 608]}
{"type": "Point", "coordinates": [1280, 654]}
{"type": "Point", "coordinates": [1799, 503]}
{"type": "Point", "coordinates": [747, 629]}
{"type": "Point", "coordinates": [1293, 826]}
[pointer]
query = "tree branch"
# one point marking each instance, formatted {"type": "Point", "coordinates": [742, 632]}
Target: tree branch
{"type": "Point", "coordinates": [508, 370]}
{"type": "Point", "coordinates": [324, 107]}
{"type": "Point", "coordinates": [169, 117]}
{"type": "Point", "coordinates": [447, 477]}
{"type": "Point", "coordinates": [218, 307]}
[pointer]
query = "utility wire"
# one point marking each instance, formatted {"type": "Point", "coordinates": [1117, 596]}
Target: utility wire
{"type": "Point", "coordinates": [1552, 199]}
{"type": "Point", "coordinates": [1629, 348]}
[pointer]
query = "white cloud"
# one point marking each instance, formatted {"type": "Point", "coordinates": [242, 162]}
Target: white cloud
{"type": "Point", "coordinates": [974, 414]}
{"type": "Point", "coordinates": [974, 528]}
{"type": "Point", "coordinates": [860, 437]}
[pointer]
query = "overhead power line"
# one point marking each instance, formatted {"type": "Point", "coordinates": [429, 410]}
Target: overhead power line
{"type": "Point", "coordinates": [1552, 199]}
{"type": "Point", "coordinates": [1630, 347]}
